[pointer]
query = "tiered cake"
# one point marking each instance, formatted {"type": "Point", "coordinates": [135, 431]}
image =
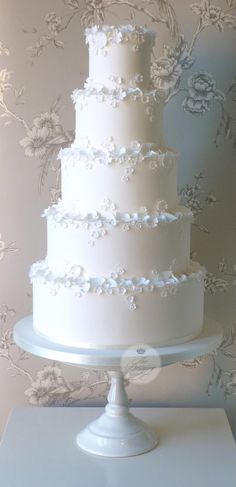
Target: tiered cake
{"type": "Point", "coordinates": [118, 270]}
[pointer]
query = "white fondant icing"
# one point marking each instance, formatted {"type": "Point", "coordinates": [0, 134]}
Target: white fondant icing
{"type": "Point", "coordinates": [79, 314]}
{"type": "Point", "coordinates": [114, 96]}
{"type": "Point", "coordinates": [121, 65]}
{"type": "Point", "coordinates": [119, 138]}
{"type": "Point", "coordinates": [86, 189]}
{"type": "Point", "coordinates": [147, 239]}
{"type": "Point", "coordinates": [113, 82]}
{"type": "Point", "coordinates": [126, 114]}
{"type": "Point", "coordinates": [76, 277]}
{"type": "Point", "coordinates": [109, 154]}
{"type": "Point", "coordinates": [120, 55]}
{"type": "Point", "coordinates": [66, 216]}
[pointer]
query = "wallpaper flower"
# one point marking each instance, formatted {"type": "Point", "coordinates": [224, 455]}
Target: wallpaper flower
{"type": "Point", "coordinates": [198, 80]}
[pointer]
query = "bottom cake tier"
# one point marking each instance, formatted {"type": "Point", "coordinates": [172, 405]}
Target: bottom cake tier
{"type": "Point", "coordinates": [74, 310]}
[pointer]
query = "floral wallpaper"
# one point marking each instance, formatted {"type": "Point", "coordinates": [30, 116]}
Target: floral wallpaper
{"type": "Point", "coordinates": [43, 57]}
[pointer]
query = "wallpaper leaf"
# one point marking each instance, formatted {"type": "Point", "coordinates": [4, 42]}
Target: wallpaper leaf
{"type": "Point", "coordinates": [196, 198]}
{"type": "Point", "coordinates": [227, 124]}
{"type": "Point", "coordinates": [221, 376]}
{"type": "Point", "coordinates": [6, 248]}
{"type": "Point", "coordinates": [168, 13]}
{"type": "Point", "coordinates": [8, 112]}
{"type": "Point", "coordinates": [230, 3]}
{"type": "Point", "coordinates": [94, 12]}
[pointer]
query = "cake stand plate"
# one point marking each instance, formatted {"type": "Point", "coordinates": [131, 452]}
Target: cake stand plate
{"type": "Point", "coordinates": [26, 338]}
{"type": "Point", "coordinates": [117, 432]}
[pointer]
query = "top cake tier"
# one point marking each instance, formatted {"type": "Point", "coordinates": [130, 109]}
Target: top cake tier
{"type": "Point", "coordinates": [120, 55]}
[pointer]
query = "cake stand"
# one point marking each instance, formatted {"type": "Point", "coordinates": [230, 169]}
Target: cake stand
{"type": "Point", "coordinates": [117, 432]}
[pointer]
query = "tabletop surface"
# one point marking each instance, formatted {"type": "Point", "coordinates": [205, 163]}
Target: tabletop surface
{"type": "Point", "coordinates": [196, 449]}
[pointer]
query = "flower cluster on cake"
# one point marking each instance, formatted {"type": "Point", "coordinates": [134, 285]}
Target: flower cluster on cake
{"type": "Point", "coordinates": [118, 269]}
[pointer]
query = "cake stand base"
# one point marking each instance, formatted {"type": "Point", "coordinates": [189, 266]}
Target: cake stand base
{"type": "Point", "coordinates": [117, 433]}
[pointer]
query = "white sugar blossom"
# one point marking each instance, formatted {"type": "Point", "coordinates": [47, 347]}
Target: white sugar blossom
{"type": "Point", "coordinates": [112, 285]}
{"type": "Point", "coordinates": [101, 40]}
{"type": "Point", "coordinates": [162, 206]}
{"type": "Point", "coordinates": [123, 33]}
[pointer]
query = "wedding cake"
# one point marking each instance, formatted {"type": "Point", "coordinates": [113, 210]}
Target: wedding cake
{"type": "Point", "coordinates": [118, 269]}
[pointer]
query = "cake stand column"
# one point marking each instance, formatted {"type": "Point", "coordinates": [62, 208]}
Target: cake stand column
{"type": "Point", "coordinates": [117, 432]}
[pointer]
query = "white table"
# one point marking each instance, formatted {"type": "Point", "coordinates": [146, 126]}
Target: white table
{"type": "Point", "coordinates": [196, 449]}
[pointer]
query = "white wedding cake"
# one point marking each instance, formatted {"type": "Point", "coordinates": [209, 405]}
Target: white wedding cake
{"type": "Point", "coordinates": [118, 270]}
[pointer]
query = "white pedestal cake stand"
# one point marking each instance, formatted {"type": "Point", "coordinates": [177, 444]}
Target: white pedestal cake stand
{"type": "Point", "coordinates": [117, 432]}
